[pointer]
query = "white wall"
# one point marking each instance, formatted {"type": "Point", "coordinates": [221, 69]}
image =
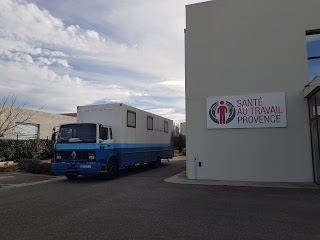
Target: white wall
{"type": "Point", "coordinates": [46, 121]}
{"type": "Point", "coordinates": [247, 47]}
{"type": "Point", "coordinates": [140, 134]}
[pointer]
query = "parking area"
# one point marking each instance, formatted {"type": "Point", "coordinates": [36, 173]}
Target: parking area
{"type": "Point", "coordinates": [141, 205]}
{"type": "Point", "coordinates": [8, 180]}
{"type": "Point", "coordinates": [20, 179]}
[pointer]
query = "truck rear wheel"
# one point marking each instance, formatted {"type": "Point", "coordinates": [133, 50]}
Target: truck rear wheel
{"type": "Point", "coordinates": [155, 164]}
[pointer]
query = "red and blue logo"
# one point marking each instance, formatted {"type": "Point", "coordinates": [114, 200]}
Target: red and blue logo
{"type": "Point", "coordinates": [224, 110]}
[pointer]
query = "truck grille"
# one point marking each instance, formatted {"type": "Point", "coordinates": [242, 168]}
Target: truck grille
{"type": "Point", "coordinates": [74, 155]}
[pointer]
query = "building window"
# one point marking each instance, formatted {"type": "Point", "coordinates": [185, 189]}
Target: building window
{"type": "Point", "coordinates": [166, 126]}
{"type": "Point", "coordinates": [150, 123]}
{"type": "Point", "coordinates": [131, 119]}
{"type": "Point", "coordinates": [27, 131]}
{"type": "Point", "coordinates": [313, 53]}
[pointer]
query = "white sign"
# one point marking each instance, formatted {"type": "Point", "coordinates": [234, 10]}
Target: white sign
{"type": "Point", "coordinates": [267, 110]}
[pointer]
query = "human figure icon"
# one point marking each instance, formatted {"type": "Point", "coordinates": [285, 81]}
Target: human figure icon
{"type": "Point", "coordinates": [222, 111]}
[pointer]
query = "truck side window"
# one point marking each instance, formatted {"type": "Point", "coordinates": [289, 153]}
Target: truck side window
{"type": "Point", "coordinates": [103, 133]}
{"type": "Point", "coordinates": [131, 119]}
{"type": "Point", "coordinates": [166, 127]}
{"type": "Point", "coordinates": [111, 134]}
{"type": "Point", "coordinates": [149, 123]}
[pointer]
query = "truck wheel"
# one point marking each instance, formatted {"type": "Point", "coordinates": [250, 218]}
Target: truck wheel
{"type": "Point", "coordinates": [155, 164]}
{"type": "Point", "coordinates": [72, 177]}
{"type": "Point", "coordinates": [112, 169]}
{"type": "Point", "coordinates": [158, 162]}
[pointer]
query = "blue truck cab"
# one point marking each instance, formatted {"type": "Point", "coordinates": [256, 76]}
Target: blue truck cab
{"type": "Point", "coordinates": [85, 149]}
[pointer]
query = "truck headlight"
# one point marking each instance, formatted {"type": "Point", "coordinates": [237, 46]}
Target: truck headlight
{"type": "Point", "coordinates": [58, 156]}
{"type": "Point", "coordinates": [91, 156]}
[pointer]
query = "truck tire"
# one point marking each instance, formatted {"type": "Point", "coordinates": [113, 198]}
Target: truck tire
{"type": "Point", "coordinates": [72, 177]}
{"type": "Point", "coordinates": [158, 162]}
{"type": "Point", "coordinates": [112, 169]}
{"type": "Point", "coordinates": [155, 164]}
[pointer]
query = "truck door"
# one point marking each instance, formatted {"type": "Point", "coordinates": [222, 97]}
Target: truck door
{"type": "Point", "coordinates": [106, 141]}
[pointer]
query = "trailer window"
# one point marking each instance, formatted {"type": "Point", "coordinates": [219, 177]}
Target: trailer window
{"type": "Point", "coordinates": [131, 119]}
{"type": "Point", "coordinates": [103, 133]}
{"type": "Point", "coordinates": [150, 123]}
{"type": "Point", "coordinates": [166, 126]}
{"type": "Point", "coordinates": [111, 133]}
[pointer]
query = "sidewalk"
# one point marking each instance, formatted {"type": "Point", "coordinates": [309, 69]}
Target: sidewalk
{"type": "Point", "coordinates": [181, 178]}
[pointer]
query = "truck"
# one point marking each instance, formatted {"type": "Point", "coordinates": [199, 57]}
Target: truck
{"type": "Point", "coordinates": [109, 137]}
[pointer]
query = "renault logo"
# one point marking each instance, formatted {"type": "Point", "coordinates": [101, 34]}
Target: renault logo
{"type": "Point", "coordinates": [73, 155]}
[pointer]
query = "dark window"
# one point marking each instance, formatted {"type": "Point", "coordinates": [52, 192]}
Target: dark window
{"type": "Point", "coordinates": [103, 133]}
{"type": "Point", "coordinates": [166, 126]}
{"type": "Point", "coordinates": [313, 53]}
{"type": "Point", "coordinates": [150, 123]}
{"type": "Point", "coordinates": [131, 119]}
{"type": "Point", "coordinates": [111, 133]}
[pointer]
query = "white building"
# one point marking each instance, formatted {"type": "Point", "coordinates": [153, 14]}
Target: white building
{"type": "Point", "coordinates": [31, 124]}
{"type": "Point", "coordinates": [183, 128]}
{"type": "Point", "coordinates": [237, 51]}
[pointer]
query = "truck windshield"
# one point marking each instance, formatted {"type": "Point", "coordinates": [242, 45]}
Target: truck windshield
{"type": "Point", "coordinates": [77, 133]}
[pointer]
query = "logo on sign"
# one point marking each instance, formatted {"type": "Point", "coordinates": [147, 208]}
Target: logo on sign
{"type": "Point", "coordinates": [222, 112]}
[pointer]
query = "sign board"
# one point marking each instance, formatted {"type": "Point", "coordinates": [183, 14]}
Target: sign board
{"type": "Point", "coordinates": [267, 110]}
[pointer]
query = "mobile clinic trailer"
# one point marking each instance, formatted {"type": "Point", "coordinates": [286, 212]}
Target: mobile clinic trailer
{"type": "Point", "coordinates": [109, 137]}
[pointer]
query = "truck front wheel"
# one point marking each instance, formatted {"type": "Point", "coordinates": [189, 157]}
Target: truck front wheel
{"type": "Point", "coordinates": [112, 169]}
{"type": "Point", "coordinates": [72, 177]}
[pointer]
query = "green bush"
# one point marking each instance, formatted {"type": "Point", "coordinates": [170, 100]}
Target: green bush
{"type": "Point", "coordinates": [15, 150]}
{"type": "Point", "coordinates": [179, 142]}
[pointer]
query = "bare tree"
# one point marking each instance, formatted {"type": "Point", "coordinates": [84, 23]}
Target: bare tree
{"type": "Point", "coordinates": [13, 113]}
{"type": "Point", "coordinates": [176, 131]}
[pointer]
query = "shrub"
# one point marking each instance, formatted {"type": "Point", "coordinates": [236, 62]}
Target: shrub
{"type": "Point", "coordinates": [179, 142]}
{"type": "Point", "coordinates": [34, 166]}
{"type": "Point", "coordinates": [15, 150]}
{"type": "Point", "coordinates": [46, 168]}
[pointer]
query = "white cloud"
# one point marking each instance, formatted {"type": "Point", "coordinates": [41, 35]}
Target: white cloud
{"type": "Point", "coordinates": [47, 61]}
{"type": "Point", "coordinates": [60, 93]}
{"type": "Point", "coordinates": [313, 38]}
{"type": "Point", "coordinates": [93, 34]}
{"type": "Point", "coordinates": [145, 38]}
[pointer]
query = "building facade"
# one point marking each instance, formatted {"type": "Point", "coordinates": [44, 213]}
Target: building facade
{"type": "Point", "coordinates": [30, 124]}
{"type": "Point", "coordinates": [237, 51]}
{"type": "Point", "coordinates": [183, 128]}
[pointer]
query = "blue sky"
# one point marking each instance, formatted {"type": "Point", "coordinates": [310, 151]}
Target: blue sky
{"type": "Point", "coordinates": [64, 53]}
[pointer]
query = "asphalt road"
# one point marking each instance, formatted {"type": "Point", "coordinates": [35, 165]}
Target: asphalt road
{"type": "Point", "coordinates": [140, 205]}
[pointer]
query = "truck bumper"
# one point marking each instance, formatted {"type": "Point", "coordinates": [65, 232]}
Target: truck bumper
{"type": "Point", "coordinates": [89, 169]}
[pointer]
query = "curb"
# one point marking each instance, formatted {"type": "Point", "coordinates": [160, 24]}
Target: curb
{"type": "Point", "coordinates": [181, 178]}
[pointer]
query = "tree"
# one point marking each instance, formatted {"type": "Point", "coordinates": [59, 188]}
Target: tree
{"type": "Point", "coordinates": [176, 131]}
{"type": "Point", "coordinates": [13, 113]}
{"type": "Point", "coordinates": [179, 139]}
